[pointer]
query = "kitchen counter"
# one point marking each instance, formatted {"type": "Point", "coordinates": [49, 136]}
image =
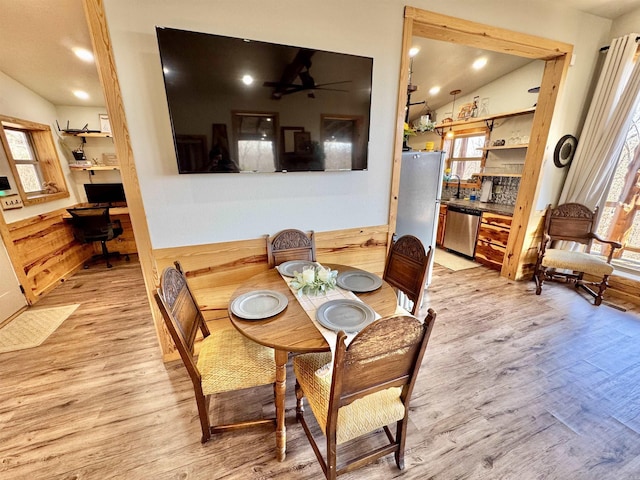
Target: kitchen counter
{"type": "Point", "coordinates": [498, 208]}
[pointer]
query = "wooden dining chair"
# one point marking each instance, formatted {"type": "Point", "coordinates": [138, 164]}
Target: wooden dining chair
{"type": "Point", "coordinates": [290, 244]}
{"type": "Point", "coordinates": [573, 222]}
{"type": "Point", "coordinates": [406, 268]}
{"type": "Point", "coordinates": [369, 388]}
{"type": "Point", "coordinates": [227, 360]}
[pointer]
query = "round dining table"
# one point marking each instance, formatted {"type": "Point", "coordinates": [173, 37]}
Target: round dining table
{"type": "Point", "coordinates": [293, 331]}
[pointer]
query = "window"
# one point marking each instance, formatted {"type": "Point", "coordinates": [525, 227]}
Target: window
{"type": "Point", "coordinates": [256, 141]}
{"type": "Point", "coordinates": [33, 160]}
{"type": "Point", "coordinates": [619, 219]}
{"type": "Point", "coordinates": [25, 160]}
{"type": "Point", "coordinates": [340, 141]}
{"type": "Point", "coordinates": [464, 155]}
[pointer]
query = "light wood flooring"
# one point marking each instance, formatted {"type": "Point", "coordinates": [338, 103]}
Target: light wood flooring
{"type": "Point", "coordinates": [513, 386]}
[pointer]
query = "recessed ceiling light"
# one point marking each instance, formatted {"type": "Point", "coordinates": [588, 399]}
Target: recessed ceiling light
{"type": "Point", "coordinates": [247, 79]}
{"type": "Point", "coordinates": [81, 94]}
{"type": "Point", "coordinates": [434, 90]}
{"type": "Point", "coordinates": [480, 63]}
{"type": "Point", "coordinates": [413, 51]}
{"type": "Point", "coordinates": [165, 70]}
{"type": "Point", "coordinates": [83, 54]}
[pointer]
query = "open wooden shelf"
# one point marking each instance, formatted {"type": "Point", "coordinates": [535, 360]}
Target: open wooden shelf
{"type": "Point", "coordinates": [500, 175]}
{"type": "Point", "coordinates": [488, 118]}
{"type": "Point", "coordinates": [504, 147]}
{"type": "Point", "coordinates": [88, 134]}
{"type": "Point", "coordinates": [94, 167]}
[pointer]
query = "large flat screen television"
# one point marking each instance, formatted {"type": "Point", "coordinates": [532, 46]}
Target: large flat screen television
{"type": "Point", "coordinates": [105, 193]}
{"type": "Point", "coordinates": [239, 105]}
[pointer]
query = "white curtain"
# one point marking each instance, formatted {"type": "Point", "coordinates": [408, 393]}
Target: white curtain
{"type": "Point", "coordinates": [606, 125]}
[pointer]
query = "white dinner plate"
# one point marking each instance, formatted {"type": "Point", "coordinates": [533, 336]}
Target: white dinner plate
{"type": "Point", "coordinates": [259, 304]}
{"type": "Point", "coordinates": [359, 281]}
{"type": "Point", "coordinates": [288, 268]}
{"type": "Point", "coordinates": [344, 314]}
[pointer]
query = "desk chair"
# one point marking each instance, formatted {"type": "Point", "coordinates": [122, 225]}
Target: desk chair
{"type": "Point", "coordinates": [369, 388]}
{"type": "Point", "coordinates": [93, 224]}
{"type": "Point", "coordinates": [290, 244]}
{"type": "Point", "coordinates": [406, 268]}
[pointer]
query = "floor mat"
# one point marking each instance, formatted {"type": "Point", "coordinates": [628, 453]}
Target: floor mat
{"type": "Point", "coordinates": [452, 261]}
{"type": "Point", "coordinates": [32, 327]}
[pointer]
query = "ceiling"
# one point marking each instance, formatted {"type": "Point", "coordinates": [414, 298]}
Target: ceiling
{"type": "Point", "coordinates": [36, 50]}
{"type": "Point", "coordinates": [448, 66]}
{"type": "Point", "coordinates": [36, 38]}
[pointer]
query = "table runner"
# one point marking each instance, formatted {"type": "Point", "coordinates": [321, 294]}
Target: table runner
{"type": "Point", "coordinates": [311, 303]}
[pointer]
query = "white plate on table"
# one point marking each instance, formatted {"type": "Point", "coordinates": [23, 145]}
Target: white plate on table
{"type": "Point", "coordinates": [358, 281]}
{"type": "Point", "coordinates": [259, 304]}
{"type": "Point", "coordinates": [344, 314]}
{"type": "Point", "coordinates": [288, 268]}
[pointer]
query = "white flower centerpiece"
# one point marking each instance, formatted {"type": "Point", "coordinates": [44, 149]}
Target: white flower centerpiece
{"type": "Point", "coordinates": [314, 280]}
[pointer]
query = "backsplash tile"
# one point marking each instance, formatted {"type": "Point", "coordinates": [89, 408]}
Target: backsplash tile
{"type": "Point", "coordinates": [505, 190]}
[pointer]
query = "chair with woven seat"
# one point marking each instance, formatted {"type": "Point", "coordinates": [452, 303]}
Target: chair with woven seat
{"type": "Point", "coordinates": [290, 244]}
{"type": "Point", "coordinates": [573, 222]}
{"type": "Point", "coordinates": [406, 268]}
{"type": "Point", "coordinates": [369, 388]}
{"type": "Point", "coordinates": [227, 360]}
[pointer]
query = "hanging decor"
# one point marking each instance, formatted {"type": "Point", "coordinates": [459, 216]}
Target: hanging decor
{"type": "Point", "coordinates": [564, 151]}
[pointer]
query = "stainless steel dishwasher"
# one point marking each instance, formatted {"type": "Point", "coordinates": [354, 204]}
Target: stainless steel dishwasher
{"type": "Point", "coordinates": [461, 230]}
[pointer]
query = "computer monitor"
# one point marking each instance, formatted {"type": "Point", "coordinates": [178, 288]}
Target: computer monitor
{"type": "Point", "coordinates": [105, 193]}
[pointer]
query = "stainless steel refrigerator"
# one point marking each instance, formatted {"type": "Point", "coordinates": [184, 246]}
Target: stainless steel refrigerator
{"type": "Point", "coordinates": [419, 198]}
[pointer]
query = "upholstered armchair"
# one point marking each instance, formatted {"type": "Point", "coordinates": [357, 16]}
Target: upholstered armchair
{"type": "Point", "coordinates": [573, 222]}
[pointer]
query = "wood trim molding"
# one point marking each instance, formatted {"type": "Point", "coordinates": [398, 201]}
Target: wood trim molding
{"type": "Point", "coordinates": [407, 34]}
{"type": "Point", "coordinates": [525, 219]}
{"type": "Point", "coordinates": [99, 32]}
{"type": "Point", "coordinates": [46, 153]}
{"type": "Point", "coordinates": [557, 55]}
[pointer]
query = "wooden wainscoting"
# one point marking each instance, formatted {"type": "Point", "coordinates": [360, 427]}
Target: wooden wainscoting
{"type": "Point", "coordinates": [623, 288]}
{"type": "Point", "coordinates": [47, 251]}
{"type": "Point", "coordinates": [125, 243]}
{"type": "Point", "coordinates": [215, 270]}
{"type": "Point", "coordinates": [532, 245]}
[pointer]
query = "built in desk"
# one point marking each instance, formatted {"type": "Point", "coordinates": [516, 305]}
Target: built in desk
{"type": "Point", "coordinates": [125, 243]}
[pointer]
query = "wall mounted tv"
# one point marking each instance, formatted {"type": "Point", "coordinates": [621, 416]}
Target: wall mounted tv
{"type": "Point", "coordinates": [239, 105]}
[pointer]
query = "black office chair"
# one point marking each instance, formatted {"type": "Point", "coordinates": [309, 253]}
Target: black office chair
{"type": "Point", "coordinates": [93, 224]}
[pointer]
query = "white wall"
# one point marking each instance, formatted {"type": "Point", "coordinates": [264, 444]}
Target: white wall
{"type": "Point", "coordinates": [195, 209]}
{"type": "Point", "coordinates": [506, 94]}
{"type": "Point", "coordinates": [18, 101]}
{"type": "Point", "coordinates": [628, 23]}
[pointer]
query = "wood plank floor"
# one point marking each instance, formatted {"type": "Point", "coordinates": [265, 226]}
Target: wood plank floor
{"type": "Point", "coordinates": [513, 386]}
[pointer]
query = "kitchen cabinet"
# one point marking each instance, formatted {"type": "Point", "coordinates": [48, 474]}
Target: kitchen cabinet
{"type": "Point", "coordinates": [442, 220]}
{"type": "Point", "coordinates": [493, 236]}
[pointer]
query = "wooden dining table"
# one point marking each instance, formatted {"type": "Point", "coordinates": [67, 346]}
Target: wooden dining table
{"type": "Point", "coordinates": [293, 331]}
